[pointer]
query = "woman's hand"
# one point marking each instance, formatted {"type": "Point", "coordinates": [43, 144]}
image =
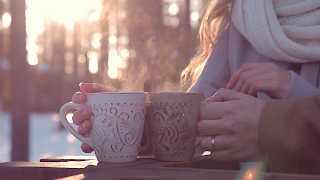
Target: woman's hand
{"type": "Point", "coordinates": [233, 120]}
{"type": "Point", "coordinates": [251, 78]}
{"type": "Point", "coordinates": [81, 117]}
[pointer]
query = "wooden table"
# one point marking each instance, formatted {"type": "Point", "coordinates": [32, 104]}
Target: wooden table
{"type": "Point", "coordinates": [87, 167]}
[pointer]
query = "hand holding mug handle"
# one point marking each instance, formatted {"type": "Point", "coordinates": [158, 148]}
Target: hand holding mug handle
{"type": "Point", "coordinates": [66, 124]}
{"type": "Point", "coordinates": [200, 137]}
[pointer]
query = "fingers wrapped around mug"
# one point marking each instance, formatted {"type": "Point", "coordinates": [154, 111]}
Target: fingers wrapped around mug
{"type": "Point", "coordinates": [86, 148]}
{"type": "Point", "coordinates": [210, 144]}
{"type": "Point", "coordinates": [211, 127]}
{"type": "Point", "coordinates": [225, 148]}
{"type": "Point", "coordinates": [79, 97]}
{"type": "Point", "coordinates": [220, 147]}
{"type": "Point", "coordinates": [221, 141]}
{"type": "Point", "coordinates": [84, 129]}
{"type": "Point", "coordinates": [81, 115]}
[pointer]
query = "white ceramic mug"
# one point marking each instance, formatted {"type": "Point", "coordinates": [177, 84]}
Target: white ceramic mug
{"type": "Point", "coordinates": [117, 124]}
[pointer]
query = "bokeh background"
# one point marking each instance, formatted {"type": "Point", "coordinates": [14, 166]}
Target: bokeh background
{"type": "Point", "coordinates": [47, 47]}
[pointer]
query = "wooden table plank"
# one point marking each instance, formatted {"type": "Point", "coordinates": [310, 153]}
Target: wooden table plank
{"type": "Point", "coordinates": [33, 173]}
{"type": "Point", "coordinates": [139, 163]}
{"type": "Point", "coordinates": [152, 174]}
{"type": "Point", "coordinates": [42, 170]}
{"type": "Point", "coordinates": [179, 174]}
{"type": "Point", "coordinates": [80, 167]}
{"type": "Point", "coordinates": [152, 169]}
{"type": "Point", "coordinates": [68, 158]}
{"type": "Point", "coordinates": [71, 164]}
{"type": "Point", "coordinates": [10, 173]}
{"type": "Point", "coordinates": [63, 168]}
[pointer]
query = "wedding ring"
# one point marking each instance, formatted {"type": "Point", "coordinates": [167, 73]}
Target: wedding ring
{"type": "Point", "coordinates": [213, 144]}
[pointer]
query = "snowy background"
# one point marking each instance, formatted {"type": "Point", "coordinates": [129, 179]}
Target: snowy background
{"type": "Point", "coordinates": [45, 137]}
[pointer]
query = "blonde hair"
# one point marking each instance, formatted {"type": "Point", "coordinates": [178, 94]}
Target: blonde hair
{"type": "Point", "coordinates": [214, 22]}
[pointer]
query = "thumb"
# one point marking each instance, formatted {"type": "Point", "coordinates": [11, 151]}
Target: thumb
{"type": "Point", "coordinates": [95, 88]}
{"type": "Point", "coordinates": [227, 95]}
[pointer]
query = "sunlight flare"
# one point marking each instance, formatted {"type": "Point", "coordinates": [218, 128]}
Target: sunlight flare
{"type": "Point", "coordinates": [6, 20]}
{"type": "Point", "coordinates": [69, 117]}
{"type": "Point", "coordinates": [93, 63]}
{"type": "Point", "coordinates": [61, 11]}
{"type": "Point", "coordinates": [33, 59]}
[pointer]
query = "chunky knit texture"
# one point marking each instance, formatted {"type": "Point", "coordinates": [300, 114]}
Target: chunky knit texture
{"type": "Point", "coordinates": [284, 30]}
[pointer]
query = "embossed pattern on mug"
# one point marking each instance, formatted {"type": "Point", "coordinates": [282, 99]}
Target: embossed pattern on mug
{"type": "Point", "coordinates": [117, 128]}
{"type": "Point", "coordinates": [173, 130]}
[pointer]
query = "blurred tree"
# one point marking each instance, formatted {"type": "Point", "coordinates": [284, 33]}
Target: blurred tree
{"type": "Point", "coordinates": [1, 8]}
{"type": "Point", "coordinates": [207, 2]}
{"type": "Point", "coordinates": [183, 40]}
{"type": "Point", "coordinates": [109, 7]}
{"type": "Point", "coordinates": [4, 32]}
{"type": "Point", "coordinates": [76, 52]}
{"type": "Point", "coordinates": [58, 56]}
{"type": "Point", "coordinates": [145, 28]}
{"type": "Point", "coordinates": [4, 73]}
{"type": "Point", "coordinates": [87, 75]}
{"type": "Point", "coordinates": [159, 49]}
{"type": "Point", "coordinates": [19, 83]}
{"type": "Point", "coordinates": [153, 49]}
{"type": "Point", "coordinates": [1, 36]}
{"type": "Point", "coordinates": [85, 39]}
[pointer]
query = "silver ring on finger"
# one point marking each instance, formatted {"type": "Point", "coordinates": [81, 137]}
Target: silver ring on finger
{"type": "Point", "coordinates": [214, 148]}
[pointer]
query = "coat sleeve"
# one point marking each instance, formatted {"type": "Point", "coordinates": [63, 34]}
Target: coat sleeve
{"type": "Point", "coordinates": [289, 135]}
{"type": "Point", "coordinates": [216, 73]}
{"type": "Point", "coordinates": [300, 87]}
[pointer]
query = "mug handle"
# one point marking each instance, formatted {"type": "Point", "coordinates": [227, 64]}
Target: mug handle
{"type": "Point", "coordinates": [199, 139]}
{"type": "Point", "coordinates": [201, 136]}
{"type": "Point", "coordinates": [66, 124]}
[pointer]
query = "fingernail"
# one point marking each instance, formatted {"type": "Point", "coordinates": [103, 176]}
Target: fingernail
{"type": "Point", "coordinates": [84, 112]}
{"type": "Point", "coordinates": [80, 97]}
{"type": "Point", "coordinates": [209, 99]}
{"type": "Point", "coordinates": [84, 125]}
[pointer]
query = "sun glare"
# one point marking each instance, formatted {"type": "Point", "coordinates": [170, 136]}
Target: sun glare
{"type": "Point", "coordinates": [114, 63]}
{"type": "Point", "coordinates": [6, 20]}
{"type": "Point", "coordinates": [173, 9]}
{"type": "Point", "coordinates": [93, 62]}
{"type": "Point", "coordinates": [65, 11]}
{"type": "Point", "coordinates": [32, 59]}
{"type": "Point", "coordinates": [69, 117]}
{"type": "Point", "coordinates": [62, 11]}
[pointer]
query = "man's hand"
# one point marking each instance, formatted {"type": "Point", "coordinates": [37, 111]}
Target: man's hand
{"type": "Point", "coordinates": [233, 120]}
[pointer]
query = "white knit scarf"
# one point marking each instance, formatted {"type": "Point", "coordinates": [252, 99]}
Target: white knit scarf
{"type": "Point", "coordinates": [284, 30]}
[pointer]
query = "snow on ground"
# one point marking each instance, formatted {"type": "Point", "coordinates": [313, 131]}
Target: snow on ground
{"type": "Point", "coordinates": [45, 138]}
